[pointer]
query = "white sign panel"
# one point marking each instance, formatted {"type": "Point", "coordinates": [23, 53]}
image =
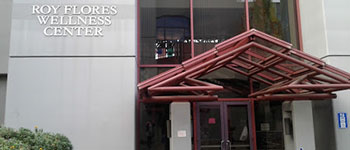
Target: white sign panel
{"type": "Point", "coordinates": [181, 133]}
{"type": "Point", "coordinates": [74, 20]}
{"type": "Point", "coordinates": [73, 28]}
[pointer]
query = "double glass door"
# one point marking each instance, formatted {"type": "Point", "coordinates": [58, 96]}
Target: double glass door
{"type": "Point", "coordinates": [224, 126]}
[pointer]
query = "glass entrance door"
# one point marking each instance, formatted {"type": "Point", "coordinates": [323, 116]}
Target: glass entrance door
{"type": "Point", "coordinates": [224, 126]}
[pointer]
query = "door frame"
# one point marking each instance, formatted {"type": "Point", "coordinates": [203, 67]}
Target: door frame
{"type": "Point", "coordinates": [224, 117]}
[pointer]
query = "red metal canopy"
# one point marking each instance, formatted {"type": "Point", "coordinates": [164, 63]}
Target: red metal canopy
{"type": "Point", "coordinates": [289, 73]}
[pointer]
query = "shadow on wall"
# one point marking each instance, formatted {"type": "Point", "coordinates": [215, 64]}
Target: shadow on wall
{"type": "Point", "coordinates": [3, 81]}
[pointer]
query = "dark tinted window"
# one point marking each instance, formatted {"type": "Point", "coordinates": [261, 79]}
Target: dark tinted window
{"type": "Point", "coordinates": [216, 21]}
{"type": "Point", "coordinates": [165, 31]}
{"type": "Point", "coordinates": [275, 17]}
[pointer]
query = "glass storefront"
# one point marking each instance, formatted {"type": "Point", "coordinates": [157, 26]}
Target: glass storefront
{"type": "Point", "coordinates": [166, 29]}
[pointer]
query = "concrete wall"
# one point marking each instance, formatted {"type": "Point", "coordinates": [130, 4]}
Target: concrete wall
{"type": "Point", "coordinates": [27, 37]}
{"type": "Point", "coordinates": [313, 27]}
{"type": "Point", "coordinates": [326, 34]}
{"type": "Point", "coordinates": [5, 28]}
{"type": "Point", "coordinates": [341, 104]}
{"type": "Point", "coordinates": [3, 81]}
{"type": "Point", "coordinates": [303, 125]}
{"type": "Point", "coordinates": [337, 26]}
{"type": "Point", "coordinates": [325, 27]}
{"type": "Point", "coordinates": [323, 125]}
{"type": "Point", "coordinates": [82, 87]}
{"type": "Point", "coordinates": [338, 34]}
{"type": "Point", "coordinates": [91, 100]}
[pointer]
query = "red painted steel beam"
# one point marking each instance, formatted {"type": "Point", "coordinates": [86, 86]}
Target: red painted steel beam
{"type": "Point", "coordinates": [256, 71]}
{"type": "Point", "coordinates": [326, 80]}
{"type": "Point", "coordinates": [264, 76]}
{"type": "Point", "coordinates": [338, 71]}
{"type": "Point", "coordinates": [268, 64]}
{"type": "Point", "coordinates": [200, 59]}
{"type": "Point", "coordinates": [250, 62]}
{"type": "Point", "coordinates": [272, 39]}
{"type": "Point", "coordinates": [246, 74]}
{"type": "Point", "coordinates": [285, 83]}
{"type": "Point", "coordinates": [320, 86]}
{"type": "Point", "coordinates": [247, 21]}
{"type": "Point", "coordinates": [236, 45]}
{"type": "Point", "coordinates": [275, 87]}
{"type": "Point", "coordinates": [159, 65]}
{"type": "Point", "coordinates": [229, 42]}
{"type": "Point", "coordinates": [185, 88]}
{"type": "Point", "coordinates": [307, 57]}
{"type": "Point", "coordinates": [226, 60]}
{"type": "Point", "coordinates": [193, 92]}
{"type": "Point", "coordinates": [211, 70]}
{"type": "Point", "coordinates": [333, 89]}
{"type": "Point", "coordinates": [255, 55]}
{"type": "Point", "coordinates": [161, 76]}
{"type": "Point", "coordinates": [171, 80]}
{"type": "Point", "coordinates": [236, 62]}
{"type": "Point", "coordinates": [261, 80]}
{"type": "Point", "coordinates": [300, 62]}
{"type": "Point", "coordinates": [301, 71]}
{"type": "Point", "coordinates": [197, 82]}
{"type": "Point", "coordinates": [199, 74]}
{"type": "Point", "coordinates": [309, 87]}
{"type": "Point", "coordinates": [273, 56]}
{"type": "Point", "coordinates": [233, 99]}
{"type": "Point", "coordinates": [237, 70]}
{"type": "Point", "coordinates": [184, 98]}
{"type": "Point", "coordinates": [279, 73]}
{"type": "Point", "coordinates": [202, 71]}
{"type": "Point", "coordinates": [284, 69]}
{"type": "Point", "coordinates": [322, 96]}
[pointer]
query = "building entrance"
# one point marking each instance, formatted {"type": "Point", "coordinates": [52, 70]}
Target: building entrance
{"type": "Point", "coordinates": [224, 126]}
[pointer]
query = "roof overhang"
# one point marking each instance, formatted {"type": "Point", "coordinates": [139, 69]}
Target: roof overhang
{"type": "Point", "coordinates": [289, 73]}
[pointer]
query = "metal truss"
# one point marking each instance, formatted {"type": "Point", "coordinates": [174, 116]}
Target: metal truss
{"type": "Point", "coordinates": [288, 73]}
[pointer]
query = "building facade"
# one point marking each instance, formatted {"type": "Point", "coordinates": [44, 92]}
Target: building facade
{"type": "Point", "coordinates": [94, 71]}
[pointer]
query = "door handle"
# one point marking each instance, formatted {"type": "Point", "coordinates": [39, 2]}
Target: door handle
{"type": "Point", "coordinates": [228, 142]}
{"type": "Point", "coordinates": [222, 142]}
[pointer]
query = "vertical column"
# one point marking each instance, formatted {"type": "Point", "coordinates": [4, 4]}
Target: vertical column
{"type": "Point", "coordinates": [180, 116]}
{"type": "Point", "coordinates": [304, 136]}
{"type": "Point", "coordinates": [3, 82]}
{"type": "Point", "coordinates": [287, 126]}
{"type": "Point", "coordinates": [5, 28]}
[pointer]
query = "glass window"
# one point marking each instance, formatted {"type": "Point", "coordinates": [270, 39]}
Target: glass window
{"type": "Point", "coordinates": [235, 85]}
{"type": "Point", "coordinates": [275, 17]}
{"type": "Point", "coordinates": [165, 31]}
{"type": "Point", "coordinates": [216, 21]}
{"type": "Point", "coordinates": [269, 126]}
{"type": "Point", "coordinates": [153, 126]}
{"type": "Point", "coordinates": [146, 73]}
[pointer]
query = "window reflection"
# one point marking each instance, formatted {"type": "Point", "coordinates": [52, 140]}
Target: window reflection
{"type": "Point", "coordinates": [269, 127]}
{"type": "Point", "coordinates": [173, 33]}
{"type": "Point", "coordinates": [275, 17]}
{"type": "Point", "coordinates": [146, 73]}
{"type": "Point", "coordinates": [153, 126]}
{"type": "Point", "coordinates": [165, 31]}
{"type": "Point", "coordinates": [216, 21]}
